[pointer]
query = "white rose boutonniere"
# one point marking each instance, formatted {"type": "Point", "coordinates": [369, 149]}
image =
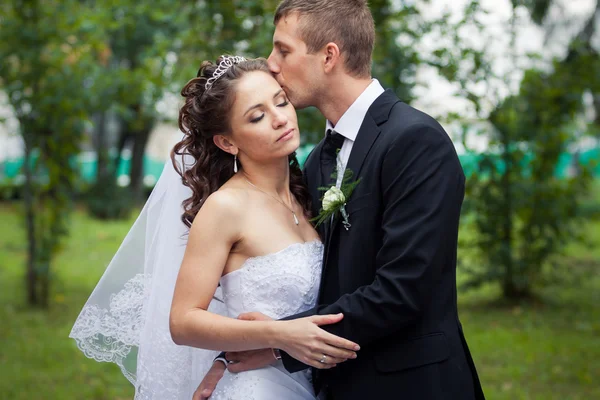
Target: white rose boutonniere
{"type": "Point", "coordinates": [334, 200]}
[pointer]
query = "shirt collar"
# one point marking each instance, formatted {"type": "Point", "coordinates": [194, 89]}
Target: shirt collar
{"type": "Point", "coordinates": [349, 125]}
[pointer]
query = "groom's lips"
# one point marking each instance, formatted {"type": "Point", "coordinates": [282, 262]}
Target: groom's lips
{"type": "Point", "coordinates": [287, 135]}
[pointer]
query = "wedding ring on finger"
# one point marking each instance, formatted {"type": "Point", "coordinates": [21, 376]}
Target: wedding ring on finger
{"type": "Point", "coordinates": [323, 359]}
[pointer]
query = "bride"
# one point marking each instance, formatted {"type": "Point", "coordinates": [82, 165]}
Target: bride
{"type": "Point", "coordinates": [235, 237]}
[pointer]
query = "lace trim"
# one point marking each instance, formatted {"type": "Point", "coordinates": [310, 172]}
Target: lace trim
{"type": "Point", "coordinates": [109, 335]}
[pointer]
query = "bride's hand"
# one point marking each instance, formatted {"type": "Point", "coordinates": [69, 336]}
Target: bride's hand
{"type": "Point", "coordinates": [305, 341]}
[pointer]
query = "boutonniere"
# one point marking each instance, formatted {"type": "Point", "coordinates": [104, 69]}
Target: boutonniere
{"type": "Point", "coordinates": [334, 199]}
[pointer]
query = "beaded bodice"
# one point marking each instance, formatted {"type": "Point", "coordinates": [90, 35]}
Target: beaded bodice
{"type": "Point", "coordinates": [278, 284]}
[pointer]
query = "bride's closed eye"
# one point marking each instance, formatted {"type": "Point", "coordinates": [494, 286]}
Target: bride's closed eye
{"type": "Point", "coordinates": [259, 118]}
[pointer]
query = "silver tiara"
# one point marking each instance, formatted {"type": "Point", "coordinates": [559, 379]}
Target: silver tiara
{"type": "Point", "coordinates": [226, 63]}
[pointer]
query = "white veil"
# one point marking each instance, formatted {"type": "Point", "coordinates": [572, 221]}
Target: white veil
{"type": "Point", "coordinates": [126, 319]}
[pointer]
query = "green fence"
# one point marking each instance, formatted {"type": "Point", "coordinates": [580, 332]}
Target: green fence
{"type": "Point", "coordinates": [11, 170]}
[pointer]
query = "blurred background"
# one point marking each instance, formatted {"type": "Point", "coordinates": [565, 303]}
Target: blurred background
{"type": "Point", "coordinates": [89, 97]}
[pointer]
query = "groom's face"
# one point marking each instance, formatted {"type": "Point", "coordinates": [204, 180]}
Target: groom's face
{"type": "Point", "coordinates": [296, 71]}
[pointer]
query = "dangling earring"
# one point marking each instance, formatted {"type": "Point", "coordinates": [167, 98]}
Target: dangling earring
{"type": "Point", "coordinates": [235, 167]}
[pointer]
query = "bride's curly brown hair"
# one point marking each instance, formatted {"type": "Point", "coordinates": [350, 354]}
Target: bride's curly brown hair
{"type": "Point", "coordinates": [206, 114]}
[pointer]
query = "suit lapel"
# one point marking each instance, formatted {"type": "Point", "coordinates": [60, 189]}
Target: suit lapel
{"type": "Point", "coordinates": [367, 135]}
{"type": "Point", "coordinates": [370, 129]}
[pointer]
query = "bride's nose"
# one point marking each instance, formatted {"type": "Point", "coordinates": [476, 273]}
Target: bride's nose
{"type": "Point", "coordinates": [279, 119]}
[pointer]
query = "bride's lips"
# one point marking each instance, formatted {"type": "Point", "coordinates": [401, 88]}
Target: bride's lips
{"type": "Point", "coordinates": [286, 136]}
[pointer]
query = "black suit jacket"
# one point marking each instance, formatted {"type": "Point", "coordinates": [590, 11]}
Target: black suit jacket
{"type": "Point", "coordinates": [393, 273]}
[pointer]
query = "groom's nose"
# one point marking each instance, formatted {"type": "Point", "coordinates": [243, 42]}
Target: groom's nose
{"type": "Point", "coordinates": [273, 66]}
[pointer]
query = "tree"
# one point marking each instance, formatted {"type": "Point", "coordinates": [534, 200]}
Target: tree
{"type": "Point", "coordinates": [581, 53]}
{"type": "Point", "coordinates": [46, 49]}
{"type": "Point", "coordinates": [141, 40]}
{"type": "Point", "coordinates": [523, 214]}
{"type": "Point", "coordinates": [141, 36]}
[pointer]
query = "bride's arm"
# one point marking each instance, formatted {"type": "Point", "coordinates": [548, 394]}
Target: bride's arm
{"type": "Point", "coordinates": [217, 226]}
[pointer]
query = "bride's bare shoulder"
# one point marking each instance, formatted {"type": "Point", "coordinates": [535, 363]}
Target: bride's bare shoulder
{"type": "Point", "coordinates": [225, 205]}
{"type": "Point", "coordinates": [230, 199]}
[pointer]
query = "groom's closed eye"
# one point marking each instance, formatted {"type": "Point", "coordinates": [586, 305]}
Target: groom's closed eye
{"type": "Point", "coordinates": [282, 50]}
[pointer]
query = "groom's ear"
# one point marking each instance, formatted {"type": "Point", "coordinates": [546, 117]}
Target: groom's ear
{"type": "Point", "coordinates": [332, 56]}
{"type": "Point", "coordinates": [225, 144]}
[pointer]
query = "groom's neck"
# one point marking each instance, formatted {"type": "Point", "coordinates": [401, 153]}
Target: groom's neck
{"type": "Point", "coordinates": [340, 94]}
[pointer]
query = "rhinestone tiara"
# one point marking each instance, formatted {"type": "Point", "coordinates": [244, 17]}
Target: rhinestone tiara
{"type": "Point", "coordinates": [226, 63]}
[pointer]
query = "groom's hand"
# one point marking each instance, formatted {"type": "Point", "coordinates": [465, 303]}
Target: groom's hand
{"type": "Point", "coordinates": [249, 360]}
{"type": "Point", "coordinates": [242, 361]}
{"type": "Point", "coordinates": [210, 381]}
{"type": "Point", "coordinates": [254, 316]}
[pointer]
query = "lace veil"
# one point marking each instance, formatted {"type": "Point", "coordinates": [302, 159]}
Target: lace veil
{"type": "Point", "coordinates": [126, 318]}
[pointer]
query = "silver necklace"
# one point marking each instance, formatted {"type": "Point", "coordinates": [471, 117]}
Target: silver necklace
{"type": "Point", "coordinates": [275, 198]}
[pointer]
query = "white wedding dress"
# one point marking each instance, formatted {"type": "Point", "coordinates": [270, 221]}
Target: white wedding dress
{"type": "Point", "coordinates": [278, 285]}
{"type": "Point", "coordinates": [126, 319]}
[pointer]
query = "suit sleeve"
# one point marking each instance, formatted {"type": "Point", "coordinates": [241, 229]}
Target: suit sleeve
{"type": "Point", "coordinates": [422, 186]}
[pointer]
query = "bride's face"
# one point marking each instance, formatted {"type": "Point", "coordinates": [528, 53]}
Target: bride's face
{"type": "Point", "coordinates": [263, 122]}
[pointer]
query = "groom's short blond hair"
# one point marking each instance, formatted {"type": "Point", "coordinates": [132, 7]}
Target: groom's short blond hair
{"type": "Point", "coordinates": [347, 23]}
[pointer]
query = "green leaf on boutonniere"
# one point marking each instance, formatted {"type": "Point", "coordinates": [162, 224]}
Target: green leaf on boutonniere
{"type": "Point", "coordinates": [334, 198]}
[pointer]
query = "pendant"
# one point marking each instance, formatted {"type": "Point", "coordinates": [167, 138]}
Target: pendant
{"type": "Point", "coordinates": [296, 219]}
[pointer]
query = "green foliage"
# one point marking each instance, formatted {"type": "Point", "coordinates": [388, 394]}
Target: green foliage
{"type": "Point", "coordinates": [135, 68]}
{"type": "Point", "coordinates": [106, 200]}
{"type": "Point", "coordinates": [537, 8]}
{"type": "Point", "coordinates": [46, 50]}
{"type": "Point", "coordinates": [525, 216]}
{"type": "Point", "coordinates": [10, 191]}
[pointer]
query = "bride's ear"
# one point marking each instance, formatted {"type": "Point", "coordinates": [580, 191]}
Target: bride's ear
{"type": "Point", "coordinates": [225, 144]}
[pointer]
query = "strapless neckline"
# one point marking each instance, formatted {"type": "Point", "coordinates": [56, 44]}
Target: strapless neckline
{"type": "Point", "coordinates": [293, 246]}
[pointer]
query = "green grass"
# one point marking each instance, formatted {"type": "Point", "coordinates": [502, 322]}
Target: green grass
{"type": "Point", "coordinates": [37, 359]}
{"type": "Point", "coordinates": [546, 349]}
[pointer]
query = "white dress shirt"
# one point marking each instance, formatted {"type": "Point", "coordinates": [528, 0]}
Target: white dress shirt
{"type": "Point", "coordinates": [349, 125]}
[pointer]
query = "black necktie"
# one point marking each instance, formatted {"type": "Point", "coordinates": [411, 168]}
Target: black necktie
{"type": "Point", "coordinates": [331, 146]}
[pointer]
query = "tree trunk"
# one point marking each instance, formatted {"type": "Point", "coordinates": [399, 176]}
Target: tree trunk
{"type": "Point", "coordinates": [44, 279]}
{"type": "Point", "coordinates": [509, 276]}
{"type": "Point", "coordinates": [124, 137]}
{"type": "Point", "coordinates": [138, 131]}
{"type": "Point", "coordinates": [515, 294]}
{"type": "Point", "coordinates": [28, 198]}
{"type": "Point", "coordinates": [101, 145]}
{"type": "Point", "coordinates": [136, 173]}
{"type": "Point", "coordinates": [597, 111]}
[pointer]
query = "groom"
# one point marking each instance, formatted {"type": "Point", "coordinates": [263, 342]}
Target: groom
{"type": "Point", "coordinates": [390, 266]}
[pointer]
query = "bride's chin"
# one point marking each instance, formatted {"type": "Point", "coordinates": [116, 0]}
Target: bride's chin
{"type": "Point", "coordinates": [294, 145]}
{"type": "Point", "coordinates": [294, 149]}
